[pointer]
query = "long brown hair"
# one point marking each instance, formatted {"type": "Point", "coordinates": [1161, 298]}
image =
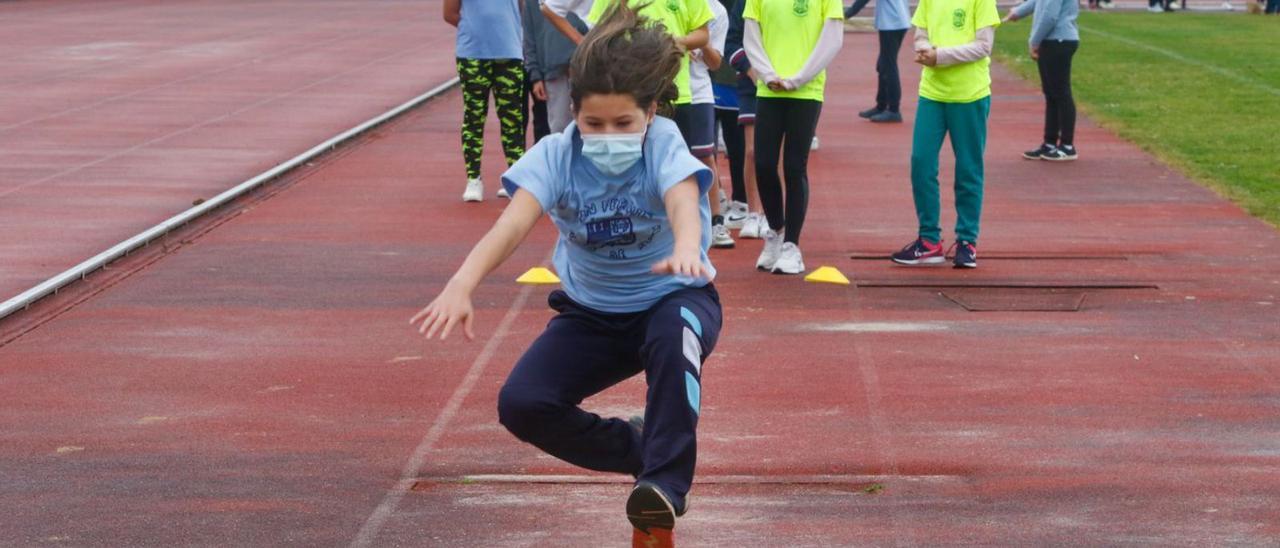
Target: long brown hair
{"type": "Point", "coordinates": [626, 53]}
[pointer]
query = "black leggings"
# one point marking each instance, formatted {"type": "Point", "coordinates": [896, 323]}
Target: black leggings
{"type": "Point", "coordinates": [735, 147]}
{"type": "Point", "coordinates": [1055, 80]}
{"type": "Point", "coordinates": [1273, 6]}
{"type": "Point", "coordinates": [789, 123]}
{"type": "Point", "coordinates": [889, 87]}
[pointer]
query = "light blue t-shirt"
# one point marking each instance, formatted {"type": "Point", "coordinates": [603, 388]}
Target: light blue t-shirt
{"type": "Point", "coordinates": [892, 15]}
{"type": "Point", "coordinates": [490, 29]}
{"type": "Point", "coordinates": [613, 229]}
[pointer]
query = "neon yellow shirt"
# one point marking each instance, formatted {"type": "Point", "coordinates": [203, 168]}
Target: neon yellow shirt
{"type": "Point", "coordinates": [954, 23]}
{"type": "Point", "coordinates": [790, 30]}
{"type": "Point", "coordinates": [680, 17]}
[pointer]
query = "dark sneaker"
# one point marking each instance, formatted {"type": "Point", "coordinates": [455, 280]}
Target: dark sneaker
{"type": "Point", "coordinates": [966, 255]}
{"type": "Point", "coordinates": [1038, 154]}
{"type": "Point", "coordinates": [887, 117]}
{"type": "Point", "coordinates": [921, 252]}
{"type": "Point", "coordinates": [1065, 153]}
{"type": "Point", "coordinates": [650, 509]}
{"type": "Point", "coordinates": [870, 112]}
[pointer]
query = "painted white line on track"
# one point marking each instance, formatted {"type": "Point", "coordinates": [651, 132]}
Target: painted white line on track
{"type": "Point", "coordinates": [409, 474]}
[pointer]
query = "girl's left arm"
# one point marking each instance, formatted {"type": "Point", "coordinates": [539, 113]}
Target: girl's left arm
{"type": "Point", "coordinates": [682, 203]}
{"type": "Point", "coordinates": [978, 49]}
{"type": "Point", "coordinates": [696, 39]}
{"type": "Point", "coordinates": [452, 12]}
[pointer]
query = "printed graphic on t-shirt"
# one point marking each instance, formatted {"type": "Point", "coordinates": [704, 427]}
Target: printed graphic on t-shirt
{"type": "Point", "coordinates": [958, 18]}
{"type": "Point", "coordinates": [616, 227]}
{"type": "Point", "coordinates": [800, 7]}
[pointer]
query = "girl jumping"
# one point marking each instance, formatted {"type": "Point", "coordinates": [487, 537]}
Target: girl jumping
{"type": "Point", "coordinates": [629, 202]}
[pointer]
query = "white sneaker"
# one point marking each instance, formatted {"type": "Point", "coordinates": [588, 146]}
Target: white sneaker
{"type": "Point", "coordinates": [814, 145]}
{"type": "Point", "coordinates": [502, 192]}
{"type": "Point", "coordinates": [1155, 9]}
{"type": "Point", "coordinates": [772, 248]}
{"type": "Point", "coordinates": [720, 238]}
{"type": "Point", "coordinates": [753, 228]}
{"type": "Point", "coordinates": [474, 192]}
{"type": "Point", "coordinates": [736, 216]}
{"type": "Point", "coordinates": [789, 260]}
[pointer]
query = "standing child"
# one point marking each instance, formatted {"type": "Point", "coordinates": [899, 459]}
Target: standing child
{"type": "Point", "coordinates": [1054, 41]}
{"type": "Point", "coordinates": [892, 21]}
{"type": "Point", "coordinates": [724, 86]}
{"type": "Point", "coordinates": [703, 111]}
{"type": "Point", "coordinates": [754, 226]}
{"type": "Point", "coordinates": [953, 41]}
{"type": "Point", "coordinates": [546, 57]}
{"type": "Point", "coordinates": [790, 43]}
{"type": "Point", "coordinates": [490, 59]}
{"type": "Point", "coordinates": [629, 203]}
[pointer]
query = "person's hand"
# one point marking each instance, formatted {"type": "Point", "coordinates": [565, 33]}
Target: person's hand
{"type": "Point", "coordinates": [928, 58]}
{"type": "Point", "coordinates": [451, 308]}
{"type": "Point", "coordinates": [776, 85]}
{"type": "Point", "coordinates": [686, 263]}
{"type": "Point", "coordinates": [1035, 53]}
{"type": "Point", "coordinates": [539, 91]}
{"type": "Point", "coordinates": [1011, 17]}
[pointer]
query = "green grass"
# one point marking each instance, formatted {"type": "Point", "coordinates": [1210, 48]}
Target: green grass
{"type": "Point", "coordinates": [1200, 91]}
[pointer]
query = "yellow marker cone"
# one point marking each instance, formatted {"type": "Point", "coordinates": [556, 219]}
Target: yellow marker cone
{"type": "Point", "coordinates": [538, 275]}
{"type": "Point", "coordinates": [827, 275]}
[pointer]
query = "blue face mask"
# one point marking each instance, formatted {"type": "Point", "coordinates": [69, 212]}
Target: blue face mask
{"type": "Point", "coordinates": [615, 153]}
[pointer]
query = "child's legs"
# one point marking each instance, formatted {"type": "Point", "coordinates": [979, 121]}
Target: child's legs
{"type": "Point", "coordinates": [1062, 54]}
{"type": "Point", "coordinates": [890, 44]}
{"type": "Point", "coordinates": [967, 123]}
{"type": "Point", "coordinates": [559, 103]}
{"type": "Point", "coordinates": [508, 98]}
{"type": "Point", "coordinates": [476, 76]}
{"type": "Point", "coordinates": [926, 143]}
{"type": "Point", "coordinates": [577, 356]}
{"type": "Point", "coordinates": [771, 124]}
{"type": "Point", "coordinates": [749, 167]}
{"type": "Point", "coordinates": [680, 333]}
{"type": "Point", "coordinates": [1052, 104]}
{"type": "Point", "coordinates": [802, 124]}
{"type": "Point", "coordinates": [697, 123]}
{"type": "Point", "coordinates": [747, 119]}
{"type": "Point", "coordinates": [734, 149]}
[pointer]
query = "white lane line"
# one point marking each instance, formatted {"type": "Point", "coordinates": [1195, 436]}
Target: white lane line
{"type": "Point", "coordinates": [1184, 59]}
{"type": "Point", "coordinates": [409, 475]}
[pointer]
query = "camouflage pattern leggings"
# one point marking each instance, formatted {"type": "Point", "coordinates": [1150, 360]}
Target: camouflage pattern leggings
{"type": "Point", "coordinates": [505, 78]}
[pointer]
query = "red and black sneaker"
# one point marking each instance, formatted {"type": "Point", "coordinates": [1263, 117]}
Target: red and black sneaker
{"type": "Point", "coordinates": [966, 255]}
{"type": "Point", "coordinates": [653, 516]}
{"type": "Point", "coordinates": [921, 252]}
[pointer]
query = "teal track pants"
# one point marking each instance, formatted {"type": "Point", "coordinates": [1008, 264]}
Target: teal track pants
{"type": "Point", "coordinates": [967, 125]}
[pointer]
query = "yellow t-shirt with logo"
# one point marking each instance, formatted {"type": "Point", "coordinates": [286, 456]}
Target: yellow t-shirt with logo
{"type": "Point", "coordinates": [955, 23]}
{"type": "Point", "coordinates": [680, 17]}
{"type": "Point", "coordinates": [790, 30]}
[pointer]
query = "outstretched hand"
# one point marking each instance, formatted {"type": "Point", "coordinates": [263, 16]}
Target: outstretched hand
{"type": "Point", "coordinates": [682, 264]}
{"type": "Point", "coordinates": [450, 309]}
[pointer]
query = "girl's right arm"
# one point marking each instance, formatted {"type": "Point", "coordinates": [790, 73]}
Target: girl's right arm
{"type": "Point", "coordinates": [453, 305]}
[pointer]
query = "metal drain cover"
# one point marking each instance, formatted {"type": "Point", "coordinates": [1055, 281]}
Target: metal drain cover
{"type": "Point", "coordinates": [1009, 299]}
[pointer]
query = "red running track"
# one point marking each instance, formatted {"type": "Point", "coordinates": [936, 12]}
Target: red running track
{"type": "Point", "coordinates": [118, 114]}
{"type": "Point", "coordinates": [260, 384]}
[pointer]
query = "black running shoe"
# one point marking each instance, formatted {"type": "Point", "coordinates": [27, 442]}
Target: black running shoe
{"type": "Point", "coordinates": [650, 508]}
{"type": "Point", "coordinates": [966, 255]}
{"type": "Point", "coordinates": [1064, 153]}
{"type": "Point", "coordinates": [887, 117]}
{"type": "Point", "coordinates": [1038, 154]}
{"type": "Point", "coordinates": [870, 112]}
